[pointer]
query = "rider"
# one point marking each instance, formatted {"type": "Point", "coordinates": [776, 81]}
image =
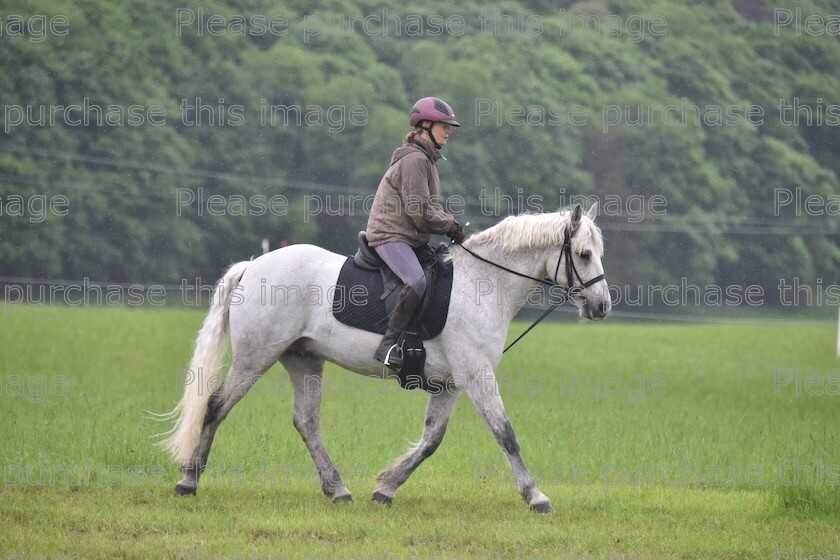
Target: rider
{"type": "Point", "coordinates": [407, 209]}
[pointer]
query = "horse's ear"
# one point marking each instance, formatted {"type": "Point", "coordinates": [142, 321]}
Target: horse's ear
{"type": "Point", "coordinates": [593, 211]}
{"type": "Point", "coordinates": [577, 212]}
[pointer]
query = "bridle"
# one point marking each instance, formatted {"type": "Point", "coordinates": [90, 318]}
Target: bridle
{"type": "Point", "coordinates": [571, 269]}
{"type": "Point", "coordinates": [572, 274]}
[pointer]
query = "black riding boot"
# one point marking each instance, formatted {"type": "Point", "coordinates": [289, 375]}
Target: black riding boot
{"type": "Point", "coordinates": [388, 353]}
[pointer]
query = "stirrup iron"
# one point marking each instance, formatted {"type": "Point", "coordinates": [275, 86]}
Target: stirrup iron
{"type": "Point", "coordinates": [387, 360]}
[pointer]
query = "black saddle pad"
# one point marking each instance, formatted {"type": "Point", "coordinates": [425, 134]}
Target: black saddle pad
{"type": "Point", "coordinates": [359, 300]}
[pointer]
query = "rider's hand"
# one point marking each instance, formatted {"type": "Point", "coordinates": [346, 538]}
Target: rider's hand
{"type": "Point", "coordinates": [457, 234]}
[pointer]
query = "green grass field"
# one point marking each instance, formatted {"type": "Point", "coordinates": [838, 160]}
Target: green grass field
{"type": "Point", "coordinates": [653, 441]}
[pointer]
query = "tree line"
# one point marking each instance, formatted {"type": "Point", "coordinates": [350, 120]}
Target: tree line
{"type": "Point", "coordinates": [174, 141]}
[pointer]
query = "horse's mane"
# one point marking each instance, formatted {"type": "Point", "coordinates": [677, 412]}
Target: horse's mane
{"type": "Point", "coordinates": [530, 231]}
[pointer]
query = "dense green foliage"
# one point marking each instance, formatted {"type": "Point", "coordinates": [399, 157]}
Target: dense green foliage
{"type": "Point", "coordinates": [122, 182]}
{"type": "Point", "coordinates": [648, 458]}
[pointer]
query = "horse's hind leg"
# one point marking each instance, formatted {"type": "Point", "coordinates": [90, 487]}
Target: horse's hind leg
{"type": "Point", "coordinates": [306, 372]}
{"type": "Point", "coordinates": [437, 416]}
{"type": "Point", "coordinates": [243, 373]}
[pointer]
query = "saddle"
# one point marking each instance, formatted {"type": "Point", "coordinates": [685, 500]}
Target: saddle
{"type": "Point", "coordinates": [367, 291]}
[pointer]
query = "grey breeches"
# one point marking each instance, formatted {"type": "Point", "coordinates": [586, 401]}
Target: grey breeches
{"type": "Point", "coordinates": [401, 259]}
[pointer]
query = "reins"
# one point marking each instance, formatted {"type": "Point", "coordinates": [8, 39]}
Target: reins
{"type": "Point", "coordinates": [497, 265]}
{"type": "Point", "coordinates": [571, 274]}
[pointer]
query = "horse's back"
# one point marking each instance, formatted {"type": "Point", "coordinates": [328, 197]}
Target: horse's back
{"type": "Point", "coordinates": [297, 278]}
{"type": "Point", "coordinates": [295, 262]}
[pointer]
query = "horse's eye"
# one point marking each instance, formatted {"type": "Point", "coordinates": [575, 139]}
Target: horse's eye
{"type": "Point", "coordinates": [585, 255]}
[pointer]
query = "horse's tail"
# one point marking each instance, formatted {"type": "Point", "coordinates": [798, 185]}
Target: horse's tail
{"type": "Point", "coordinates": [200, 378]}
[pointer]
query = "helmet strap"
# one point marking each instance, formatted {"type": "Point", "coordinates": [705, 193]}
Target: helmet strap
{"type": "Point", "coordinates": [428, 129]}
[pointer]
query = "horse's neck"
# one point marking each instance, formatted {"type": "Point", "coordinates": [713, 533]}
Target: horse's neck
{"type": "Point", "coordinates": [510, 291]}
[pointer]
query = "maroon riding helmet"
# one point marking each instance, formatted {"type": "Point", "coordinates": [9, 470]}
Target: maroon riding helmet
{"type": "Point", "coordinates": [432, 109]}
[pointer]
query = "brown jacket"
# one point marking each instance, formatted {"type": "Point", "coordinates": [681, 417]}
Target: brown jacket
{"type": "Point", "coordinates": [407, 206]}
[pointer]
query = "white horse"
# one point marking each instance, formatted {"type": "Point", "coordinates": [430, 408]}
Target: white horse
{"type": "Point", "coordinates": [302, 333]}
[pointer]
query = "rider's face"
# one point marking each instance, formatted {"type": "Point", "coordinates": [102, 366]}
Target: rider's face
{"type": "Point", "coordinates": [441, 130]}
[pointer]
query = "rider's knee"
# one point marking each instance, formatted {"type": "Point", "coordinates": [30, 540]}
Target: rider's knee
{"type": "Point", "coordinates": [419, 286]}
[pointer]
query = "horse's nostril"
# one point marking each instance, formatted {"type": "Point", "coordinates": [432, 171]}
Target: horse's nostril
{"type": "Point", "coordinates": [602, 308]}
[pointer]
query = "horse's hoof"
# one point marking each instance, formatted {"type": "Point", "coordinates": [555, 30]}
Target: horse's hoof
{"type": "Point", "coordinates": [182, 490]}
{"type": "Point", "coordinates": [343, 499]}
{"type": "Point", "coordinates": [542, 507]}
{"type": "Point", "coordinates": [381, 498]}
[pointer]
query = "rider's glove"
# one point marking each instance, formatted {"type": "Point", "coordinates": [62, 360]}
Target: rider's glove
{"type": "Point", "coordinates": [457, 234]}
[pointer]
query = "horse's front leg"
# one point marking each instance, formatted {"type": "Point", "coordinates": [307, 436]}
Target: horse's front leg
{"type": "Point", "coordinates": [434, 426]}
{"type": "Point", "coordinates": [483, 390]}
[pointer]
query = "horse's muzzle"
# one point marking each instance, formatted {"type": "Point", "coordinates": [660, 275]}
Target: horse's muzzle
{"type": "Point", "coordinates": [596, 311]}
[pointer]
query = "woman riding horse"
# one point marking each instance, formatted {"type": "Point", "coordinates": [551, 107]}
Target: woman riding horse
{"type": "Point", "coordinates": [407, 209]}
